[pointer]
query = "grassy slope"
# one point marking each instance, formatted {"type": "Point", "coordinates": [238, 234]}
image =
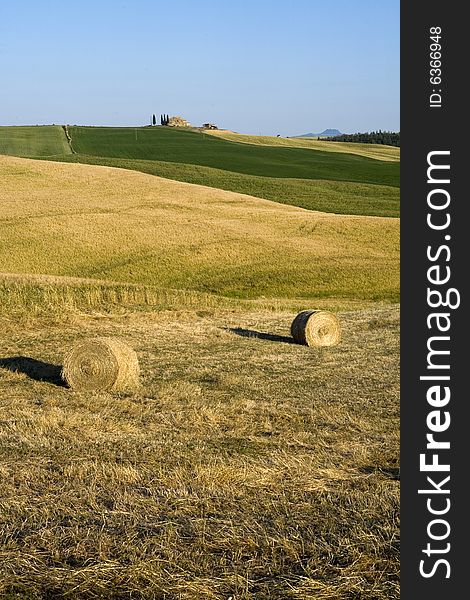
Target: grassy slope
{"type": "Point", "coordinates": [322, 180]}
{"type": "Point", "coordinates": [38, 141]}
{"type": "Point", "coordinates": [179, 146]}
{"type": "Point", "coordinates": [376, 151]}
{"type": "Point", "coordinates": [326, 181]}
{"type": "Point", "coordinates": [342, 197]}
{"type": "Point", "coordinates": [86, 221]}
{"type": "Point", "coordinates": [245, 467]}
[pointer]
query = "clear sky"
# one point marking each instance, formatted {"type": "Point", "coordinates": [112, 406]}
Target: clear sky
{"type": "Point", "coordinates": [253, 66]}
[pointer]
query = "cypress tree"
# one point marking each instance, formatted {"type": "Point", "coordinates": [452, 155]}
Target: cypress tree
{"type": "Point", "coordinates": [154, 119]}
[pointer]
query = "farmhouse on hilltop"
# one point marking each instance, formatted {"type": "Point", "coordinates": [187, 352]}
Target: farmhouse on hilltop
{"type": "Point", "coordinates": [209, 126]}
{"type": "Point", "coordinates": [178, 122]}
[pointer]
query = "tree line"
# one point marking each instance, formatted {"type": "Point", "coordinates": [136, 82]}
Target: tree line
{"type": "Point", "coordinates": [390, 138]}
{"type": "Point", "coordinates": [164, 120]}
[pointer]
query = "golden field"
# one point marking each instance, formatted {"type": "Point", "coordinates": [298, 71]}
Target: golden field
{"type": "Point", "coordinates": [123, 226]}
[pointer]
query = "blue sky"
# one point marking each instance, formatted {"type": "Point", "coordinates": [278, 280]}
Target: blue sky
{"type": "Point", "coordinates": [261, 66]}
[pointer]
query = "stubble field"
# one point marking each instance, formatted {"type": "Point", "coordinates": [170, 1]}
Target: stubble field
{"type": "Point", "coordinates": [246, 466]}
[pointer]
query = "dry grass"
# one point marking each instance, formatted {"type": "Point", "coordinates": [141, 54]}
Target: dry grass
{"type": "Point", "coordinates": [106, 223]}
{"type": "Point", "coordinates": [375, 151]}
{"type": "Point", "coordinates": [247, 467]}
{"type": "Point", "coordinates": [40, 299]}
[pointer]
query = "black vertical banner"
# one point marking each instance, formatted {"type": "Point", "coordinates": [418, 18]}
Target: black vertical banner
{"type": "Point", "coordinates": [435, 255]}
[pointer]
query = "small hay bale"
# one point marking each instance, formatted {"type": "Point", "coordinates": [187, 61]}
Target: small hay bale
{"type": "Point", "coordinates": [316, 328]}
{"type": "Point", "coordinates": [101, 364]}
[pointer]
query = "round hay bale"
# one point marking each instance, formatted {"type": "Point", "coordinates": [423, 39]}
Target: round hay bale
{"type": "Point", "coordinates": [316, 328]}
{"type": "Point", "coordinates": [101, 364]}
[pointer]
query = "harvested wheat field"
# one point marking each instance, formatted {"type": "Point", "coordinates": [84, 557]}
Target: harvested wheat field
{"type": "Point", "coordinates": [247, 466]}
{"type": "Point", "coordinates": [238, 465]}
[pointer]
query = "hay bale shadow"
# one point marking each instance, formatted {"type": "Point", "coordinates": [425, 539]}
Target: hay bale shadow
{"type": "Point", "coordinates": [251, 333]}
{"type": "Point", "coordinates": [34, 369]}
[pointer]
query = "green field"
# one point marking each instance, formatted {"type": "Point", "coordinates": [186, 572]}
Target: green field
{"type": "Point", "coordinates": [342, 197]}
{"type": "Point", "coordinates": [44, 140]}
{"type": "Point", "coordinates": [188, 147]}
{"type": "Point", "coordinates": [344, 182]}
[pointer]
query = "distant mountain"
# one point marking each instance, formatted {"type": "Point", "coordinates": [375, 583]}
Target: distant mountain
{"type": "Point", "coordinates": [326, 133]}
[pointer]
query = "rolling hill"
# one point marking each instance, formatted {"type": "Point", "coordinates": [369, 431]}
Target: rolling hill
{"type": "Point", "coordinates": [110, 224]}
{"type": "Point", "coordinates": [375, 151]}
{"type": "Point", "coordinates": [342, 181]}
{"type": "Point", "coordinates": [189, 147]}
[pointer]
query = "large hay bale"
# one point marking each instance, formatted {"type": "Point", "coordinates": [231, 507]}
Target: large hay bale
{"type": "Point", "coordinates": [101, 364]}
{"type": "Point", "coordinates": [316, 328]}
